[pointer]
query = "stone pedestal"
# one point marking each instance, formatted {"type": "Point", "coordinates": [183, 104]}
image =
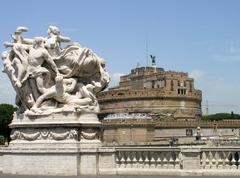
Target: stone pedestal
{"type": "Point", "coordinates": [56, 88]}
{"type": "Point", "coordinates": [190, 158]}
{"type": "Point", "coordinates": [58, 144]}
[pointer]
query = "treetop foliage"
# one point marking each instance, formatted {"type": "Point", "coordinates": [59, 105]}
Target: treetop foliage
{"type": "Point", "coordinates": [221, 116]}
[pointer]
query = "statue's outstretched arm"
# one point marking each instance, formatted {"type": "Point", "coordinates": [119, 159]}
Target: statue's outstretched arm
{"type": "Point", "coordinates": [8, 44]}
{"type": "Point", "coordinates": [64, 39]}
{"type": "Point", "coordinates": [28, 41]}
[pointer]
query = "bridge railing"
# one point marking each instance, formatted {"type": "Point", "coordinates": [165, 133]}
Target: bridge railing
{"type": "Point", "coordinates": [145, 158]}
{"type": "Point", "coordinates": [152, 160]}
{"type": "Point", "coordinates": [220, 158]}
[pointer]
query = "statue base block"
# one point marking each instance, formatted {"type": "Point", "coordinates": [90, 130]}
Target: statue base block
{"type": "Point", "coordinates": [60, 144]}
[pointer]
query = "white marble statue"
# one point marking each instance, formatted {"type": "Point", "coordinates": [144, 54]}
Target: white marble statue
{"type": "Point", "coordinates": [48, 79]}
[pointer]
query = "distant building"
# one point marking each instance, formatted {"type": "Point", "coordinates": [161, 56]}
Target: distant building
{"type": "Point", "coordinates": [155, 92]}
{"type": "Point", "coordinates": [158, 107]}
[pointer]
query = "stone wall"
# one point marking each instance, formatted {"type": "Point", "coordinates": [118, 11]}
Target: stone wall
{"type": "Point", "coordinates": [40, 164]}
{"type": "Point", "coordinates": [151, 101]}
{"type": "Point", "coordinates": [148, 160]}
{"type": "Point", "coordinates": [149, 131]}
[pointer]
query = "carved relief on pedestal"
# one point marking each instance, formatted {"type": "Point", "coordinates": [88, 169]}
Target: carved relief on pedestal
{"type": "Point", "coordinates": [89, 134]}
{"type": "Point", "coordinates": [44, 134]}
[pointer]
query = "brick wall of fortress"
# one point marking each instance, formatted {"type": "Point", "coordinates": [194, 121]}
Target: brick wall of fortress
{"type": "Point", "coordinates": [153, 101]}
{"type": "Point", "coordinates": [151, 131]}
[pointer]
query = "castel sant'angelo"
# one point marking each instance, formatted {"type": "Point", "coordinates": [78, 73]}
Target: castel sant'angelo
{"type": "Point", "coordinates": [153, 91]}
{"type": "Point", "coordinates": [152, 106]}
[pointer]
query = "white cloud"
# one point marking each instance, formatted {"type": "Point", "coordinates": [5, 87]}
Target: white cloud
{"type": "Point", "coordinates": [197, 74]}
{"type": "Point", "coordinates": [230, 54]}
{"type": "Point", "coordinates": [227, 58]}
{"type": "Point", "coordinates": [115, 78]}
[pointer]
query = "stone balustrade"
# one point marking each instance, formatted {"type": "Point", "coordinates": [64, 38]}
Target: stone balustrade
{"type": "Point", "coordinates": [219, 159]}
{"type": "Point", "coordinates": [135, 160]}
{"type": "Point", "coordinates": [148, 158]}
{"type": "Point", "coordinates": [186, 160]}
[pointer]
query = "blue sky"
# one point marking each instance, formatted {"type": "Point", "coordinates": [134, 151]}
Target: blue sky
{"type": "Point", "coordinates": [198, 37]}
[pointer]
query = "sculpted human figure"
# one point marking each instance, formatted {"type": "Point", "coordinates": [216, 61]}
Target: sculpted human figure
{"type": "Point", "coordinates": [8, 68]}
{"type": "Point", "coordinates": [61, 92]}
{"type": "Point", "coordinates": [49, 79]}
{"type": "Point", "coordinates": [20, 60]}
{"type": "Point", "coordinates": [37, 56]}
{"type": "Point", "coordinates": [10, 71]}
{"type": "Point", "coordinates": [54, 40]}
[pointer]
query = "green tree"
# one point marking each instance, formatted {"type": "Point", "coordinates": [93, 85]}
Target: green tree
{"type": "Point", "coordinates": [6, 116]}
{"type": "Point", "coordinates": [221, 116]}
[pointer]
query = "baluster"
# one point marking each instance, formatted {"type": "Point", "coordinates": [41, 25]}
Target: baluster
{"type": "Point", "coordinates": [207, 162]}
{"type": "Point", "coordinates": [220, 163]}
{"type": "Point", "coordinates": [238, 160]}
{"type": "Point", "coordinates": [165, 161]}
{"type": "Point", "coordinates": [171, 161]}
{"type": "Point", "coordinates": [203, 160]}
{"type": "Point", "coordinates": [210, 157]}
{"type": "Point", "coordinates": [233, 166]}
{"type": "Point", "coordinates": [180, 160]}
{"type": "Point", "coordinates": [146, 161]}
{"type": "Point", "coordinates": [177, 161]}
{"type": "Point", "coordinates": [152, 160]}
{"type": "Point", "coordinates": [220, 160]}
{"type": "Point", "coordinates": [226, 161]}
{"type": "Point", "coordinates": [122, 161]}
{"type": "Point", "coordinates": [128, 160]}
{"type": "Point", "coordinates": [134, 160]}
{"type": "Point", "coordinates": [214, 161]}
{"type": "Point", "coordinates": [117, 160]}
{"type": "Point", "coordinates": [140, 160]}
{"type": "Point", "coordinates": [159, 161]}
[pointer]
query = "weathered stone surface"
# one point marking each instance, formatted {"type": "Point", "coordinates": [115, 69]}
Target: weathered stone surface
{"type": "Point", "coordinates": [165, 94]}
{"type": "Point", "coordinates": [48, 79]}
{"type": "Point", "coordinates": [56, 130]}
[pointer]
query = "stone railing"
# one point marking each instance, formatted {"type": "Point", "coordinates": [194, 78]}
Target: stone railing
{"type": "Point", "coordinates": [145, 158]}
{"type": "Point", "coordinates": [188, 160]}
{"type": "Point", "coordinates": [219, 159]}
{"type": "Point", "coordinates": [174, 161]}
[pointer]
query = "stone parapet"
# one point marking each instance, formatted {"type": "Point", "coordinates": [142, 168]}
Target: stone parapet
{"type": "Point", "coordinates": [170, 124]}
{"type": "Point", "coordinates": [148, 160]}
{"type": "Point", "coordinates": [146, 93]}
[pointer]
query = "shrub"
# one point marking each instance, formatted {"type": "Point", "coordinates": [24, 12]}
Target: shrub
{"type": "Point", "coordinates": [6, 113]}
{"type": "Point", "coordinates": [2, 140]}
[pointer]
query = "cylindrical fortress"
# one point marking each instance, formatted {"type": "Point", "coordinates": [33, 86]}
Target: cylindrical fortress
{"type": "Point", "coordinates": [154, 91]}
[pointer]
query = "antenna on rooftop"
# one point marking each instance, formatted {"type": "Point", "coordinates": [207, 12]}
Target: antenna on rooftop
{"type": "Point", "coordinates": [206, 112]}
{"type": "Point", "coordinates": [146, 49]}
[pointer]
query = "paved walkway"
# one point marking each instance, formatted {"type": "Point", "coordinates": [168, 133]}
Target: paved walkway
{"type": "Point", "coordinates": [21, 176]}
